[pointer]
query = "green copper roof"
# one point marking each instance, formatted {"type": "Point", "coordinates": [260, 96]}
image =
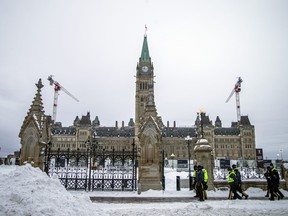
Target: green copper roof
{"type": "Point", "coordinates": [145, 57]}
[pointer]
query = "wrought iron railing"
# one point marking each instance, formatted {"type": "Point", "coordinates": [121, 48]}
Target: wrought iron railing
{"type": "Point", "coordinates": [93, 169]}
{"type": "Point", "coordinates": [246, 173]}
{"type": "Point", "coordinates": [79, 178]}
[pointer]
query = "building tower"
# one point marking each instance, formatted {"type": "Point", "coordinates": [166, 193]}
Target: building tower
{"type": "Point", "coordinates": [148, 125]}
{"type": "Point", "coordinates": [144, 83]}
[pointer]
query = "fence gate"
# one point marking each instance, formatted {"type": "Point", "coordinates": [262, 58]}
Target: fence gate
{"type": "Point", "coordinates": [94, 169]}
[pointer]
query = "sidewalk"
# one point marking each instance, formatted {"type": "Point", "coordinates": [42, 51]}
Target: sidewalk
{"type": "Point", "coordinates": [161, 199]}
{"type": "Point", "coordinates": [166, 196]}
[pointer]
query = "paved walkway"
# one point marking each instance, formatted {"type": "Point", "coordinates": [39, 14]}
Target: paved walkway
{"type": "Point", "coordinates": [160, 199]}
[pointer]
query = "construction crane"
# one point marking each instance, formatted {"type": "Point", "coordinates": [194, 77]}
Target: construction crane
{"type": "Point", "coordinates": [236, 89]}
{"type": "Point", "coordinates": [57, 88]}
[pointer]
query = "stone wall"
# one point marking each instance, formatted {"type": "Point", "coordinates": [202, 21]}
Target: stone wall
{"type": "Point", "coordinates": [247, 184]}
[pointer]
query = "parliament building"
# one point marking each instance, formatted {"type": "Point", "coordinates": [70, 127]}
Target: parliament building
{"type": "Point", "coordinates": [152, 136]}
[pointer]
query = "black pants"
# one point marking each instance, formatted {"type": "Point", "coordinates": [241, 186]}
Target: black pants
{"type": "Point", "coordinates": [200, 191]}
{"type": "Point", "coordinates": [194, 186]}
{"type": "Point", "coordinates": [275, 192]}
{"type": "Point", "coordinates": [233, 192]}
{"type": "Point", "coordinates": [268, 188]}
{"type": "Point", "coordinates": [239, 189]}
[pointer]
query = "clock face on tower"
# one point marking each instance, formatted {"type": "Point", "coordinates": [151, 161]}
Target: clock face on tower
{"type": "Point", "coordinates": [145, 69]}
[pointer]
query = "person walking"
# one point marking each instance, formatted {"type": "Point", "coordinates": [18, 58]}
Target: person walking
{"type": "Point", "coordinates": [200, 183]}
{"type": "Point", "coordinates": [239, 180]}
{"type": "Point", "coordinates": [267, 175]}
{"type": "Point", "coordinates": [275, 181]}
{"type": "Point", "coordinates": [194, 180]}
{"type": "Point", "coordinates": [232, 182]}
{"type": "Point", "coordinates": [205, 183]}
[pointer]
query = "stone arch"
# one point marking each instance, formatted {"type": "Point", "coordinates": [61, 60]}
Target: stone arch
{"type": "Point", "coordinates": [30, 149]}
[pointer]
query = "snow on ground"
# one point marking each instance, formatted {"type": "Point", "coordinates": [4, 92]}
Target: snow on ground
{"type": "Point", "coordinates": [25, 190]}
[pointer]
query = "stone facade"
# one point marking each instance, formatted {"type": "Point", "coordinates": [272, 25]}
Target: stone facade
{"type": "Point", "coordinates": [34, 132]}
{"type": "Point", "coordinates": [204, 157]}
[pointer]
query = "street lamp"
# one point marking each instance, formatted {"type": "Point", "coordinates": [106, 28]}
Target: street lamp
{"type": "Point", "coordinates": [91, 152]}
{"type": "Point", "coordinates": [202, 114]}
{"type": "Point", "coordinates": [281, 154]}
{"type": "Point", "coordinates": [166, 161]}
{"type": "Point", "coordinates": [47, 149]}
{"type": "Point", "coordinates": [172, 156]}
{"type": "Point", "coordinates": [188, 139]}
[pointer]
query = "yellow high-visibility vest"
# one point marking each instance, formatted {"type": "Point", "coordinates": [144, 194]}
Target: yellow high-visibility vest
{"type": "Point", "coordinates": [205, 175]}
{"type": "Point", "coordinates": [230, 179]}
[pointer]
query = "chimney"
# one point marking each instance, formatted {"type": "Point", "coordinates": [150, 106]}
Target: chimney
{"type": "Point", "coordinates": [167, 124]}
{"type": "Point", "coordinates": [122, 124]}
{"type": "Point", "coordinates": [174, 124]}
{"type": "Point", "coordinates": [116, 124]}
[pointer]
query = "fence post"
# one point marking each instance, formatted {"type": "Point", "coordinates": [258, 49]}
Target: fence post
{"type": "Point", "coordinates": [178, 183]}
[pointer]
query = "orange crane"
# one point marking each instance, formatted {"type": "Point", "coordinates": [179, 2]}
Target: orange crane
{"type": "Point", "coordinates": [236, 90]}
{"type": "Point", "coordinates": [57, 88]}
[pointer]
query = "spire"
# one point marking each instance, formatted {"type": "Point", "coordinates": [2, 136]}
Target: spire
{"type": "Point", "coordinates": [145, 57]}
{"type": "Point", "coordinates": [37, 105]}
{"type": "Point", "coordinates": [218, 122]}
{"type": "Point", "coordinates": [131, 123]}
{"type": "Point", "coordinates": [96, 122]}
{"type": "Point", "coordinates": [36, 111]}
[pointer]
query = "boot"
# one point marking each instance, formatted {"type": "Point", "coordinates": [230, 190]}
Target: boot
{"type": "Point", "coordinates": [245, 195]}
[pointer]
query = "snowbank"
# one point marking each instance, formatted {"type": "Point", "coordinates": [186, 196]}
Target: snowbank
{"type": "Point", "coordinates": [28, 191]}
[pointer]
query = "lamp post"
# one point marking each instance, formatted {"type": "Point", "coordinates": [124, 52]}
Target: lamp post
{"type": "Point", "coordinates": [172, 156]}
{"type": "Point", "coordinates": [166, 161]}
{"type": "Point", "coordinates": [202, 114]}
{"type": "Point", "coordinates": [188, 139]}
{"type": "Point", "coordinates": [91, 152]}
{"type": "Point", "coordinates": [199, 124]}
{"type": "Point", "coordinates": [47, 156]}
{"type": "Point", "coordinates": [281, 154]}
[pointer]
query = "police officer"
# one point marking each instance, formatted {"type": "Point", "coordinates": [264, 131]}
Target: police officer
{"type": "Point", "coordinates": [194, 180]}
{"type": "Point", "coordinates": [232, 182]}
{"type": "Point", "coordinates": [200, 183]}
{"type": "Point", "coordinates": [239, 180]}
{"type": "Point", "coordinates": [267, 175]}
{"type": "Point", "coordinates": [275, 181]}
{"type": "Point", "coordinates": [205, 186]}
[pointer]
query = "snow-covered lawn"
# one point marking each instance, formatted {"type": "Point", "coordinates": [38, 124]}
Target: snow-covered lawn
{"type": "Point", "coordinates": [28, 191]}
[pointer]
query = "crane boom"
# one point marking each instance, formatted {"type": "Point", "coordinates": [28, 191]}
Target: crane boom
{"type": "Point", "coordinates": [236, 90]}
{"type": "Point", "coordinates": [57, 88]}
{"type": "Point", "coordinates": [231, 94]}
{"type": "Point", "coordinates": [65, 90]}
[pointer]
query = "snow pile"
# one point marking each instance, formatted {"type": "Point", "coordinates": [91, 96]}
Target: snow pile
{"type": "Point", "coordinates": [29, 191]}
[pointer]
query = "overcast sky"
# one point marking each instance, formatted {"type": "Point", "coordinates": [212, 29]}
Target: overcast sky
{"type": "Point", "coordinates": [198, 49]}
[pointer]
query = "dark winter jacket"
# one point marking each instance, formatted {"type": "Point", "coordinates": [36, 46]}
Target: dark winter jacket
{"type": "Point", "coordinates": [238, 175]}
{"type": "Point", "coordinates": [267, 175]}
{"type": "Point", "coordinates": [200, 176]}
{"type": "Point", "coordinates": [275, 179]}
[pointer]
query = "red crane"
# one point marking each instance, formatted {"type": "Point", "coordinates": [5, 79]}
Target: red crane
{"type": "Point", "coordinates": [236, 89]}
{"type": "Point", "coordinates": [57, 88]}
